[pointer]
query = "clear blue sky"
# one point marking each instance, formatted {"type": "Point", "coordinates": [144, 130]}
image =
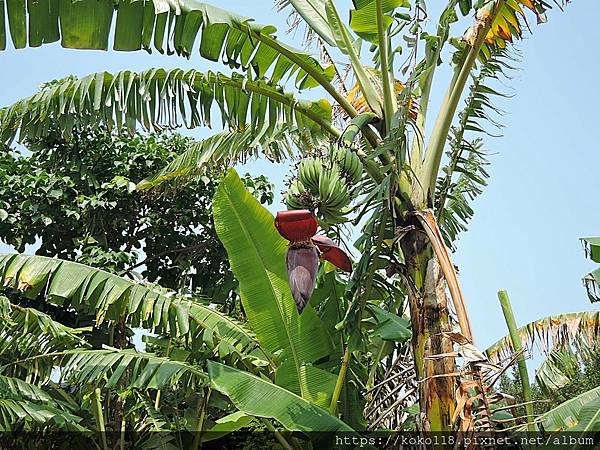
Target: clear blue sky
{"type": "Point", "coordinates": [544, 183]}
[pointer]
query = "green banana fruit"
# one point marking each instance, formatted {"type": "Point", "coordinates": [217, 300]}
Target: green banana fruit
{"type": "Point", "coordinates": [349, 162]}
{"type": "Point", "coordinates": [309, 174]}
{"type": "Point", "coordinates": [295, 197]}
{"type": "Point", "coordinates": [326, 183]}
{"type": "Point", "coordinates": [333, 192]}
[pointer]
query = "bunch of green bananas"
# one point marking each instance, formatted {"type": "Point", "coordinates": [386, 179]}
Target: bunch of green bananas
{"type": "Point", "coordinates": [333, 195]}
{"type": "Point", "coordinates": [349, 163]}
{"type": "Point", "coordinates": [325, 185]}
{"type": "Point", "coordinates": [297, 196]}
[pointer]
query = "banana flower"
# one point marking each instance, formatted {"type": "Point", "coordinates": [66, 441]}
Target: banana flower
{"type": "Point", "coordinates": [299, 227]}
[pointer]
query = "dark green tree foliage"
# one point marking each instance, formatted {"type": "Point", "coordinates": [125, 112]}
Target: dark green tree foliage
{"type": "Point", "coordinates": [77, 199]}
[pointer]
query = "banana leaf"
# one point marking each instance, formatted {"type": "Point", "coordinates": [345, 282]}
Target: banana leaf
{"type": "Point", "coordinates": [257, 256]}
{"type": "Point", "coordinates": [260, 398]}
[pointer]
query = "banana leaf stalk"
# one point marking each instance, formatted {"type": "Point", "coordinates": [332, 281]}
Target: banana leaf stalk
{"type": "Point", "coordinates": [299, 227]}
{"type": "Point", "coordinates": [517, 347]}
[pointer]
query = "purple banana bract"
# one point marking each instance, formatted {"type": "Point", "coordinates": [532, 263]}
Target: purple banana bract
{"type": "Point", "coordinates": [302, 265]}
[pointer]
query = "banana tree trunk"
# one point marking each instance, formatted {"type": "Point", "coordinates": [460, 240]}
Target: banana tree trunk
{"type": "Point", "coordinates": [435, 364]}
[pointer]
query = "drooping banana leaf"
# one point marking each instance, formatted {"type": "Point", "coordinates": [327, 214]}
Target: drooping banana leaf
{"type": "Point", "coordinates": [17, 413]}
{"type": "Point", "coordinates": [27, 331]}
{"type": "Point", "coordinates": [157, 98]}
{"type": "Point", "coordinates": [257, 256]}
{"type": "Point", "coordinates": [222, 150]}
{"type": "Point", "coordinates": [20, 388]}
{"type": "Point", "coordinates": [560, 368]}
{"type": "Point", "coordinates": [25, 404]}
{"type": "Point", "coordinates": [550, 331]}
{"type": "Point", "coordinates": [258, 397]}
{"type": "Point", "coordinates": [181, 27]}
{"type": "Point", "coordinates": [110, 297]}
{"type": "Point", "coordinates": [141, 370]}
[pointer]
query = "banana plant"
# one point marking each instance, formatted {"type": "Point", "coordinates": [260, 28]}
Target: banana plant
{"type": "Point", "coordinates": [282, 349]}
{"type": "Point", "coordinates": [276, 354]}
{"type": "Point", "coordinates": [412, 194]}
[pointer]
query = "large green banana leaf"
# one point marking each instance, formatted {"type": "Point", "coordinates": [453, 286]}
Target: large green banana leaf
{"type": "Point", "coordinates": [257, 256]}
{"type": "Point", "coordinates": [180, 26]}
{"type": "Point", "coordinates": [314, 384]}
{"type": "Point", "coordinates": [568, 414]}
{"type": "Point", "coordinates": [109, 297]}
{"type": "Point", "coordinates": [589, 418]}
{"type": "Point", "coordinates": [15, 413]}
{"type": "Point", "coordinates": [258, 397]}
{"type": "Point", "coordinates": [158, 97]}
